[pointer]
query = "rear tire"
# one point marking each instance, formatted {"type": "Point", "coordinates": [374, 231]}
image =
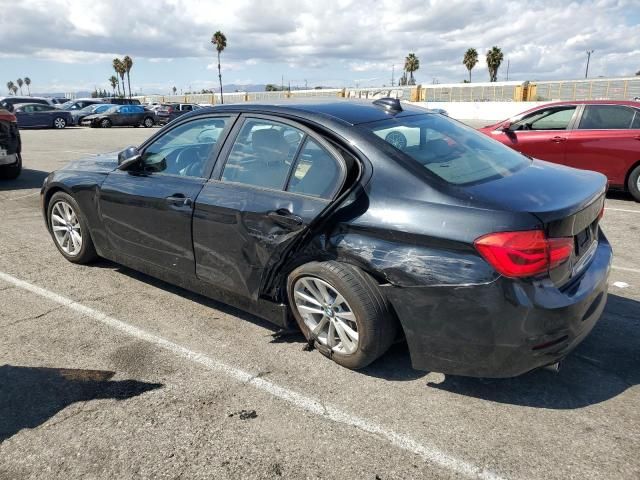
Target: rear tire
{"type": "Point", "coordinates": [633, 184]}
{"type": "Point", "coordinates": [59, 123]}
{"type": "Point", "coordinates": [10, 172]}
{"type": "Point", "coordinates": [365, 311]}
{"type": "Point", "coordinates": [148, 122]}
{"type": "Point", "coordinates": [64, 210]}
{"type": "Point", "coordinates": [105, 123]}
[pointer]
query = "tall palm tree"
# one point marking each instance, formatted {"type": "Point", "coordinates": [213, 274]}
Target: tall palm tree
{"type": "Point", "coordinates": [10, 87]}
{"type": "Point", "coordinates": [411, 64]}
{"type": "Point", "coordinates": [20, 82]}
{"type": "Point", "coordinates": [494, 59]}
{"type": "Point", "coordinates": [113, 81]}
{"type": "Point", "coordinates": [128, 63]}
{"type": "Point", "coordinates": [220, 42]}
{"type": "Point", "coordinates": [27, 82]}
{"type": "Point", "coordinates": [117, 66]}
{"type": "Point", "coordinates": [470, 60]}
{"type": "Point", "coordinates": [174, 90]}
{"type": "Point", "coordinates": [14, 89]}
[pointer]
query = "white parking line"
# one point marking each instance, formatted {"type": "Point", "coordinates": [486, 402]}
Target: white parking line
{"type": "Point", "coordinates": [428, 453]}
{"type": "Point", "coordinates": [621, 210]}
{"type": "Point", "coordinates": [626, 269]}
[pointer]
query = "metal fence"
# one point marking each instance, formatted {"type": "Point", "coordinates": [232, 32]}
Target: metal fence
{"type": "Point", "coordinates": [596, 89]}
{"type": "Point", "coordinates": [473, 92]}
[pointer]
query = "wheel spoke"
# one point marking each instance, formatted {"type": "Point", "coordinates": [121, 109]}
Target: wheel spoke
{"type": "Point", "coordinates": [77, 239]}
{"type": "Point", "coordinates": [59, 228]}
{"type": "Point", "coordinates": [326, 297]}
{"type": "Point", "coordinates": [65, 239]}
{"type": "Point", "coordinates": [321, 324]}
{"type": "Point", "coordinates": [346, 316]}
{"type": "Point", "coordinates": [331, 335]}
{"type": "Point", "coordinates": [311, 287]}
{"type": "Point", "coordinates": [307, 298]}
{"type": "Point", "coordinates": [347, 343]}
{"type": "Point", "coordinates": [353, 335]}
{"type": "Point", "coordinates": [310, 309]}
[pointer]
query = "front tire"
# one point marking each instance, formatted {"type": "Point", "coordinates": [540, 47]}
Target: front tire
{"type": "Point", "coordinates": [341, 309]}
{"type": "Point", "coordinates": [59, 123]}
{"type": "Point", "coordinates": [633, 184]}
{"type": "Point", "coordinates": [11, 172]}
{"type": "Point", "coordinates": [148, 122]}
{"type": "Point", "coordinates": [105, 123]}
{"type": "Point", "coordinates": [69, 229]}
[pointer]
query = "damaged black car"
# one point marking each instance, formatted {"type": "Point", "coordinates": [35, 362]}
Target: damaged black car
{"type": "Point", "coordinates": [360, 223]}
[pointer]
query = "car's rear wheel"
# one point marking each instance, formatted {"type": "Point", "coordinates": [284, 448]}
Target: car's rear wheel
{"type": "Point", "coordinates": [105, 123]}
{"type": "Point", "coordinates": [633, 183]}
{"type": "Point", "coordinates": [340, 308]}
{"type": "Point", "coordinates": [69, 229]}
{"type": "Point", "coordinates": [9, 172]}
{"type": "Point", "coordinates": [148, 122]}
{"type": "Point", "coordinates": [59, 123]}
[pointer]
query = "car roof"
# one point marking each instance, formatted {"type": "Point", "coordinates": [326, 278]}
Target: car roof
{"type": "Point", "coordinates": [349, 111]}
{"type": "Point", "coordinates": [18, 105]}
{"type": "Point", "coordinates": [629, 103]}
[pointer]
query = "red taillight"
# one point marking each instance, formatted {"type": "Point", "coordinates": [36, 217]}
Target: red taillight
{"type": "Point", "coordinates": [523, 254]}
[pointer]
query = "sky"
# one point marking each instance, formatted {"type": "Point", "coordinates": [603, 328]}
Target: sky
{"type": "Point", "coordinates": [68, 45]}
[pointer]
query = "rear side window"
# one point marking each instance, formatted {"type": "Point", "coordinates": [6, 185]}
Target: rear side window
{"type": "Point", "coordinates": [447, 149]}
{"type": "Point", "coordinates": [316, 172]}
{"type": "Point", "coordinates": [606, 117]}
{"type": "Point", "coordinates": [636, 120]}
{"type": "Point", "coordinates": [556, 118]}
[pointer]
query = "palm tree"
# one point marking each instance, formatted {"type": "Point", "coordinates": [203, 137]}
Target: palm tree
{"type": "Point", "coordinates": [411, 64]}
{"type": "Point", "coordinates": [113, 81]}
{"type": "Point", "coordinates": [220, 42]}
{"type": "Point", "coordinates": [470, 60]}
{"type": "Point", "coordinates": [20, 82]}
{"type": "Point", "coordinates": [494, 59]}
{"type": "Point", "coordinates": [10, 86]}
{"type": "Point", "coordinates": [14, 89]}
{"type": "Point", "coordinates": [27, 82]}
{"type": "Point", "coordinates": [174, 90]}
{"type": "Point", "coordinates": [118, 67]}
{"type": "Point", "coordinates": [128, 63]}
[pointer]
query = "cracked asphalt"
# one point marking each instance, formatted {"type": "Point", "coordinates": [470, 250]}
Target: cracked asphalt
{"type": "Point", "coordinates": [83, 396]}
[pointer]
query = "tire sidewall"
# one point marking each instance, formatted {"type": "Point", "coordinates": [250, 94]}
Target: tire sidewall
{"type": "Point", "coordinates": [57, 120]}
{"type": "Point", "coordinates": [85, 250]}
{"type": "Point", "coordinates": [632, 183]}
{"type": "Point", "coordinates": [317, 270]}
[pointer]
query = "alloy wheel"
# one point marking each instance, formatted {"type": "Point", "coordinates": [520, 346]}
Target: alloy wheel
{"type": "Point", "coordinates": [327, 314]}
{"type": "Point", "coordinates": [66, 228]}
{"type": "Point", "coordinates": [59, 123]}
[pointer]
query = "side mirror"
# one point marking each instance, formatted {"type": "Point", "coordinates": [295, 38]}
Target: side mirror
{"type": "Point", "coordinates": [128, 157]}
{"type": "Point", "coordinates": [506, 127]}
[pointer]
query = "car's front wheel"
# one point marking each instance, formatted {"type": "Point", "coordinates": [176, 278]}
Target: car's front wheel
{"type": "Point", "coordinates": [634, 183]}
{"type": "Point", "coordinates": [59, 123]}
{"type": "Point", "coordinates": [148, 122]}
{"type": "Point", "coordinates": [105, 123]}
{"type": "Point", "coordinates": [340, 308]}
{"type": "Point", "coordinates": [69, 229]}
{"type": "Point", "coordinates": [9, 172]}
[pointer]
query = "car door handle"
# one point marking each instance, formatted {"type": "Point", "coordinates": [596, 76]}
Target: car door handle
{"type": "Point", "coordinates": [637, 137]}
{"type": "Point", "coordinates": [559, 139]}
{"type": "Point", "coordinates": [284, 217]}
{"type": "Point", "coordinates": [179, 200]}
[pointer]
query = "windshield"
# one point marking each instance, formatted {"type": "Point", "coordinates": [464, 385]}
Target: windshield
{"type": "Point", "coordinates": [448, 149]}
{"type": "Point", "coordinates": [88, 109]}
{"type": "Point", "coordinates": [112, 109]}
{"type": "Point", "coordinates": [66, 105]}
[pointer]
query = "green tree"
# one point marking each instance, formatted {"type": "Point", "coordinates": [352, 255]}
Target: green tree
{"type": "Point", "coordinates": [10, 87]}
{"type": "Point", "coordinates": [27, 82]}
{"type": "Point", "coordinates": [411, 64]}
{"type": "Point", "coordinates": [113, 81]}
{"type": "Point", "coordinates": [120, 71]}
{"type": "Point", "coordinates": [494, 59]}
{"type": "Point", "coordinates": [15, 89]}
{"type": "Point", "coordinates": [20, 82]}
{"type": "Point", "coordinates": [220, 42]}
{"type": "Point", "coordinates": [174, 89]}
{"type": "Point", "coordinates": [128, 63]}
{"type": "Point", "coordinates": [470, 60]}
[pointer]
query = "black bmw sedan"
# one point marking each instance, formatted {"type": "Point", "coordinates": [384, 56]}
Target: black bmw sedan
{"type": "Point", "coordinates": [121, 116]}
{"type": "Point", "coordinates": [360, 222]}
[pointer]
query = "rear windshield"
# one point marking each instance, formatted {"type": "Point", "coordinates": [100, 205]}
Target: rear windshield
{"type": "Point", "coordinates": [448, 149]}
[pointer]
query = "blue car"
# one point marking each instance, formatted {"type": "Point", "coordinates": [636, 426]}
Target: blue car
{"type": "Point", "coordinates": [44, 116]}
{"type": "Point", "coordinates": [78, 115]}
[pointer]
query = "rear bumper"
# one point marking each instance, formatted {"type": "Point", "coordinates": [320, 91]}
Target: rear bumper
{"type": "Point", "coordinates": [504, 328]}
{"type": "Point", "coordinates": [10, 159]}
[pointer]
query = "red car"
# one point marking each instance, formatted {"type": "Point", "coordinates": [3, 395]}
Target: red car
{"type": "Point", "coordinates": [600, 135]}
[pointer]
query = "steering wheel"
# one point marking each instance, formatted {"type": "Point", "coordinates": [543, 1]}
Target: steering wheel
{"type": "Point", "coordinates": [191, 168]}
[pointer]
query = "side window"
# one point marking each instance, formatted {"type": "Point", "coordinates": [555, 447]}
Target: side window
{"type": "Point", "coordinates": [187, 108]}
{"type": "Point", "coordinates": [636, 121]}
{"type": "Point", "coordinates": [316, 172]}
{"type": "Point", "coordinates": [28, 109]}
{"type": "Point", "coordinates": [546, 119]}
{"type": "Point", "coordinates": [184, 150]}
{"type": "Point", "coordinates": [262, 154]}
{"type": "Point", "coordinates": [606, 117]}
{"type": "Point", "coordinates": [124, 109]}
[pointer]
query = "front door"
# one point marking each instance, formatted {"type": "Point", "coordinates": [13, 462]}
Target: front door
{"type": "Point", "coordinates": [277, 178]}
{"type": "Point", "coordinates": [147, 211]}
{"type": "Point", "coordinates": [542, 134]}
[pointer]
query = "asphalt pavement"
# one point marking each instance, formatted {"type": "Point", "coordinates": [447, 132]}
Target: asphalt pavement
{"type": "Point", "coordinates": [108, 373]}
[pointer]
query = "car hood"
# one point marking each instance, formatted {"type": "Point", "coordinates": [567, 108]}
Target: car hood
{"type": "Point", "coordinates": [91, 117]}
{"type": "Point", "coordinates": [547, 190]}
{"type": "Point", "coordinates": [102, 162]}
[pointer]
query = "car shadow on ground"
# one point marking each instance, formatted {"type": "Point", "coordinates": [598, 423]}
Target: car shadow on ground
{"type": "Point", "coordinates": [605, 365]}
{"type": "Point", "coordinates": [29, 396]}
{"type": "Point", "coordinates": [28, 179]}
{"type": "Point", "coordinates": [620, 195]}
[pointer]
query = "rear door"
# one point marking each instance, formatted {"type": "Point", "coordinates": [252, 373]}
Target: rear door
{"type": "Point", "coordinates": [607, 140]}
{"type": "Point", "coordinates": [271, 181]}
{"type": "Point", "coordinates": [147, 212]}
{"type": "Point", "coordinates": [542, 133]}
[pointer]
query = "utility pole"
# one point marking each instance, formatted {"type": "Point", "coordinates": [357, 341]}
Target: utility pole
{"type": "Point", "coordinates": [586, 71]}
{"type": "Point", "coordinates": [305, 84]}
{"type": "Point", "coordinates": [393, 74]}
{"type": "Point", "coordinates": [282, 83]}
{"type": "Point", "coordinates": [508, 63]}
